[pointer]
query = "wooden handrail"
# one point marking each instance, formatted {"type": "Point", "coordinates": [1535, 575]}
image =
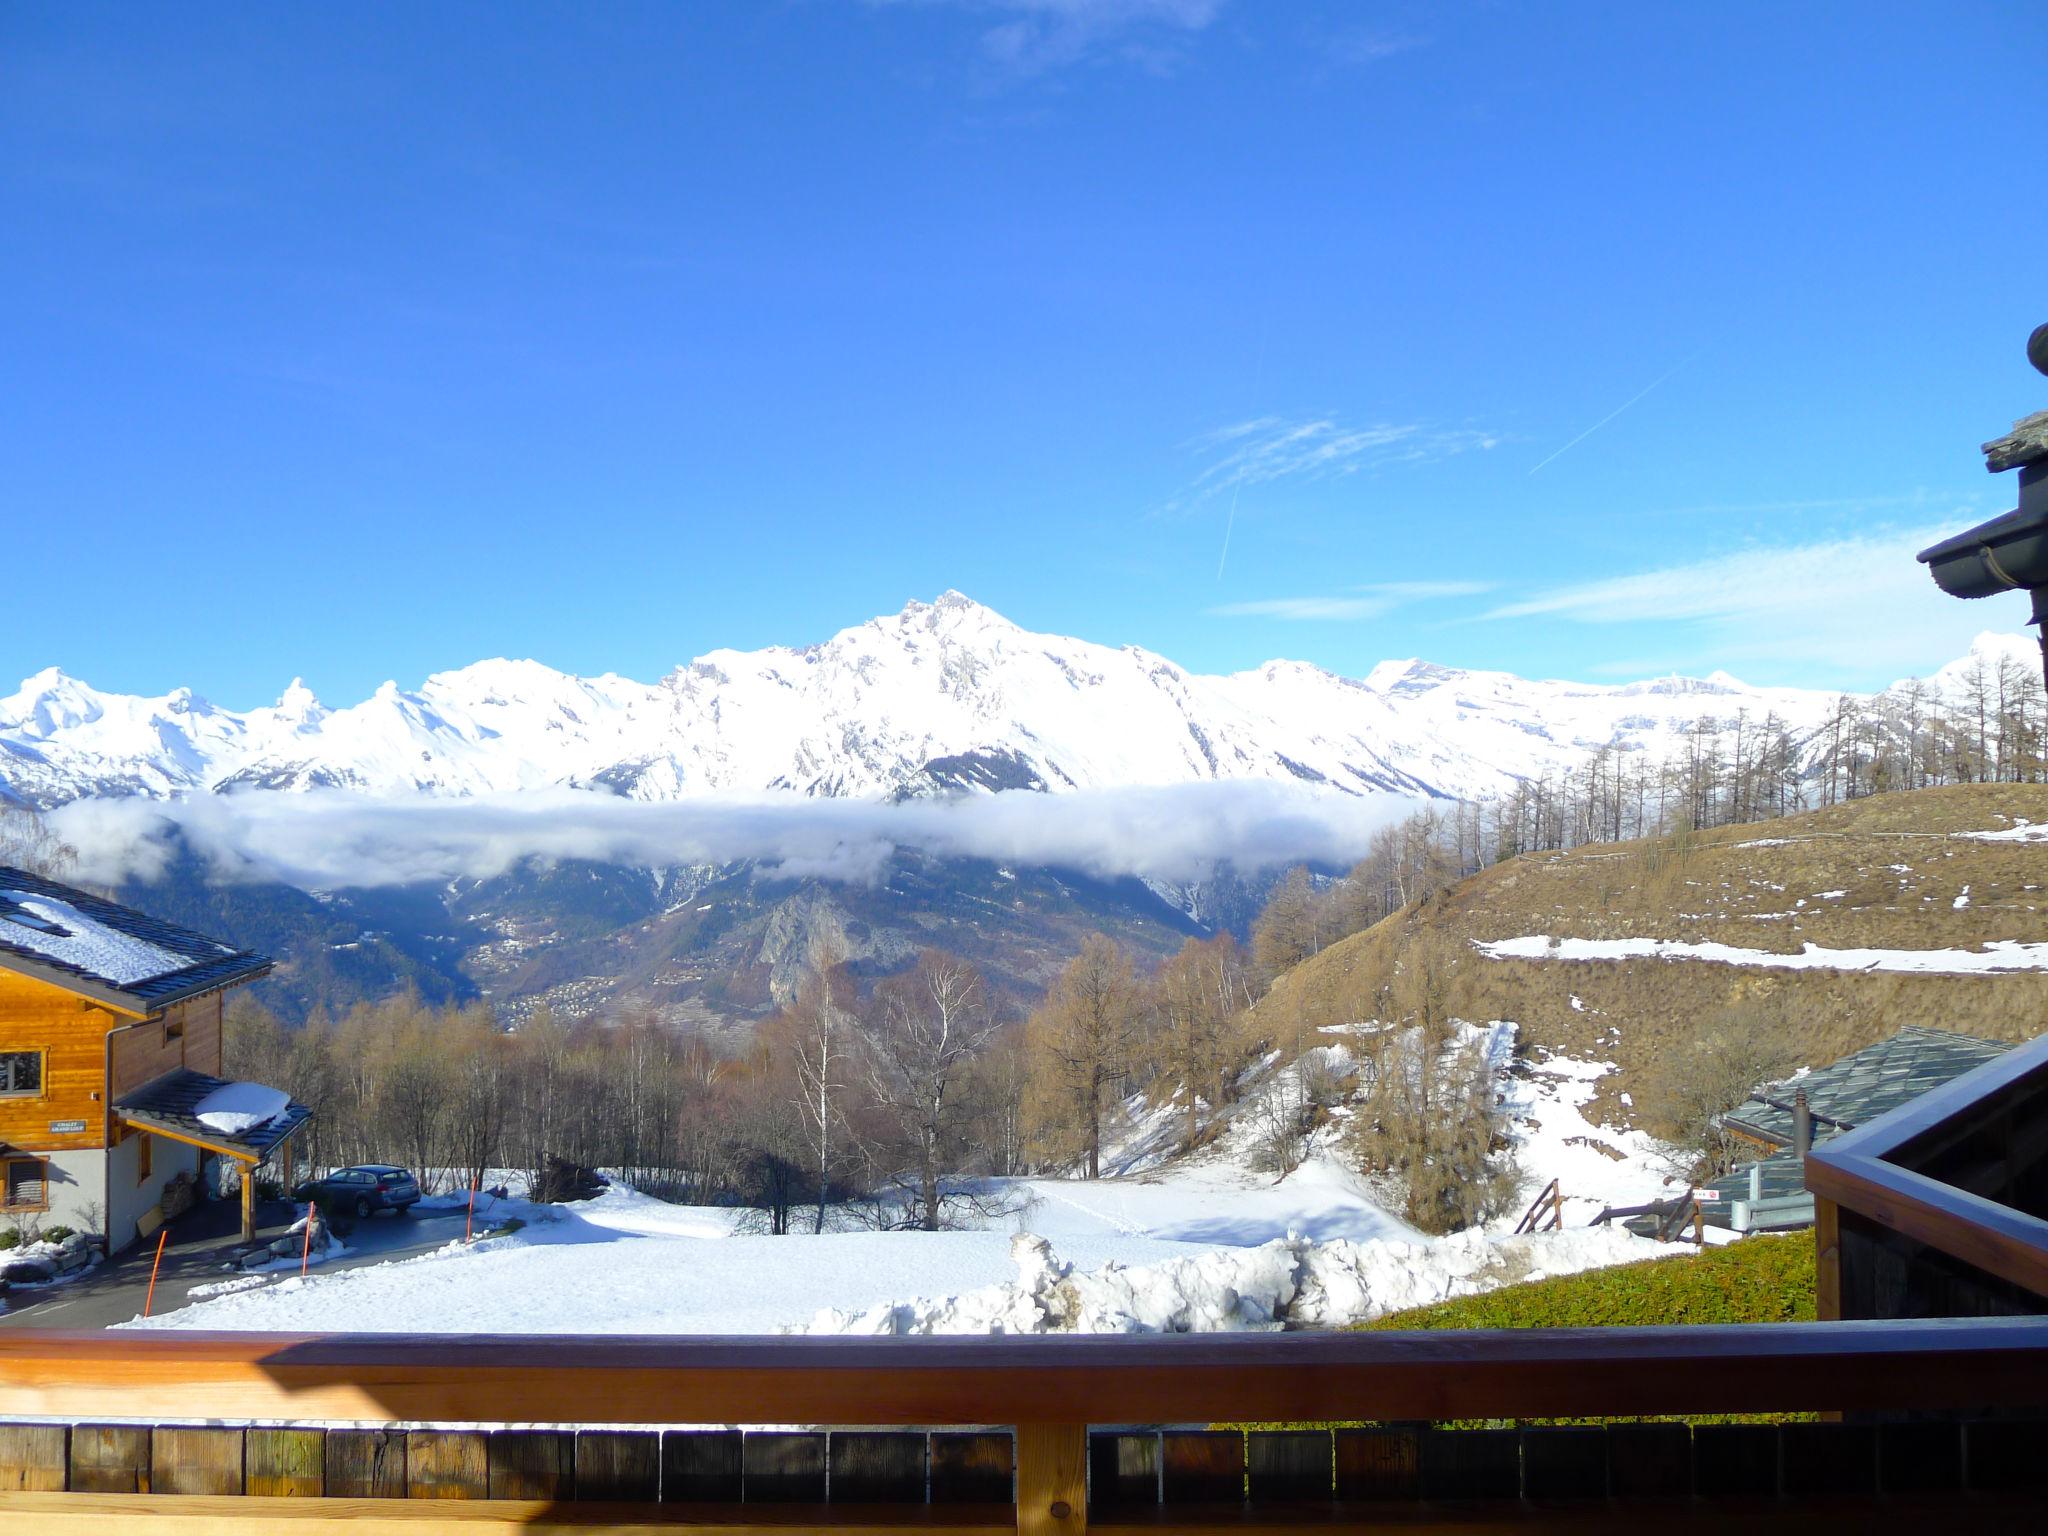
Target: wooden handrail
{"type": "Point", "coordinates": [1864, 1171]}
{"type": "Point", "coordinates": [1944, 1364]}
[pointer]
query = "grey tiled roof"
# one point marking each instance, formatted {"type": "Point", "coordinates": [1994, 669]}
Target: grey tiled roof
{"type": "Point", "coordinates": [168, 1104]}
{"type": "Point", "coordinates": [1779, 1176]}
{"type": "Point", "coordinates": [1866, 1084]}
{"type": "Point", "coordinates": [211, 962]}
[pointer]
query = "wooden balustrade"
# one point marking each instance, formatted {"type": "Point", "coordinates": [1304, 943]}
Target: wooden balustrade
{"type": "Point", "coordinates": [1040, 1471]}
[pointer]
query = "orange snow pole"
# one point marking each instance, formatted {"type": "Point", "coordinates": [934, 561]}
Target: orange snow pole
{"type": "Point", "coordinates": [150, 1299]}
{"type": "Point", "coordinates": [306, 1253]}
{"type": "Point", "coordinates": [469, 1221]}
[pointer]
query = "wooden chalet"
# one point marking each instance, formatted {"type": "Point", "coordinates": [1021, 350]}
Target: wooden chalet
{"type": "Point", "coordinates": [110, 1043]}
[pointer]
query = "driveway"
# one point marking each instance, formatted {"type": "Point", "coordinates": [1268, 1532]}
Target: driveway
{"type": "Point", "coordinates": [201, 1240]}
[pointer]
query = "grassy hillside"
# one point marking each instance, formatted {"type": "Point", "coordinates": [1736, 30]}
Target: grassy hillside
{"type": "Point", "coordinates": [1758, 1280]}
{"type": "Point", "coordinates": [1884, 872]}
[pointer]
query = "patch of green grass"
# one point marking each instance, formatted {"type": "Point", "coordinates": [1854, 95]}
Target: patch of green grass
{"type": "Point", "coordinates": [1756, 1280]}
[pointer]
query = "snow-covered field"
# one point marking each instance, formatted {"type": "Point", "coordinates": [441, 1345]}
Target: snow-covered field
{"type": "Point", "coordinates": [1997, 957]}
{"type": "Point", "coordinates": [1197, 1243]}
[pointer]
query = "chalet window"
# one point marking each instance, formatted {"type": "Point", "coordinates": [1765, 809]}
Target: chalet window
{"type": "Point", "coordinates": [174, 1028]}
{"type": "Point", "coordinates": [143, 1158]}
{"type": "Point", "coordinates": [21, 1073]}
{"type": "Point", "coordinates": [27, 1186]}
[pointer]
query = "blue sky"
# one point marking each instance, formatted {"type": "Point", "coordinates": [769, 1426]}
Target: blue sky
{"type": "Point", "coordinates": [365, 341]}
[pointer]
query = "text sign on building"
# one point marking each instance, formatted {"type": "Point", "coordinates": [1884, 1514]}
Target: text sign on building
{"type": "Point", "coordinates": [66, 1127]}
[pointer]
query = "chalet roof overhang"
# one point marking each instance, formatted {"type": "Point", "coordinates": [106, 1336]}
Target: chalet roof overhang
{"type": "Point", "coordinates": [166, 1107]}
{"type": "Point", "coordinates": [145, 1001]}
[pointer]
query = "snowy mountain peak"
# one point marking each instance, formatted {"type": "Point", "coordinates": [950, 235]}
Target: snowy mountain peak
{"type": "Point", "coordinates": [942, 696]}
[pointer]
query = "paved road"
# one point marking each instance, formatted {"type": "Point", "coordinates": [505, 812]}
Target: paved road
{"type": "Point", "coordinates": [113, 1292]}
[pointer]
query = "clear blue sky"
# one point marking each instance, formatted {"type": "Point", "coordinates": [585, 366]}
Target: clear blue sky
{"type": "Point", "coordinates": [364, 341]}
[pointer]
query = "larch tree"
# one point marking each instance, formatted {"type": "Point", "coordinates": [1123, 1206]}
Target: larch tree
{"type": "Point", "coordinates": [1080, 1047]}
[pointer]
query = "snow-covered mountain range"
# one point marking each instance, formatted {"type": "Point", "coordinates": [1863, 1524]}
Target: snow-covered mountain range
{"type": "Point", "coordinates": [944, 695]}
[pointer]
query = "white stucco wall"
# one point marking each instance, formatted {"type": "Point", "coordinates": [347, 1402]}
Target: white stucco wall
{"type": "Point", "coordinates": [129, 1199]}
{"type": "Point", "coordinates": [77, 1193]}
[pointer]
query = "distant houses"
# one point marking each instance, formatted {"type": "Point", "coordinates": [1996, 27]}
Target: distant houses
{"type": "Point", "coordinates": [1781, 1120]}
{"type": "Point", "coordinates": [110, 1053]}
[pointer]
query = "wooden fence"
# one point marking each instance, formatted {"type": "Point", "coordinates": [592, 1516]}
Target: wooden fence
{"type": "Point", "coordinates": [1016, 1452]}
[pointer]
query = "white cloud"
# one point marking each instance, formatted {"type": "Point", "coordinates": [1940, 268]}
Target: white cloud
{"type": "Point", "coordinates": [331, 838]}
{"type": "Point", "coordinates": [1271, 448]}
{"type": "Point", "coordinates": [1859, 604]}
{"type": "Point", "coordinates": [1034, 37]}
{"type": "Point", "coordinates": [1367, 602]}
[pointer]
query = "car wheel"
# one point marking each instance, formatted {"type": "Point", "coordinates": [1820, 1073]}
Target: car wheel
{"type": "Point", "coordinates": [362, 1207]}
{"type": "Point", "coordinates": [405, 1209]}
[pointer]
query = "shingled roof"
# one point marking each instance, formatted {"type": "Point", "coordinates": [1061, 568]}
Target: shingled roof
{"type": "Point", "coordinates": [60, 934]}
{"type": "Point", "coordinates": [1864, 1085]}
{"type": "Point", "coordinates": [170, 1105]}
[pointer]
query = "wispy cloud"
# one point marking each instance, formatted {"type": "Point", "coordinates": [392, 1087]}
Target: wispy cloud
{"type": "Point", "coordinates": [1367, 45]}
{"type": "Point", "coordinates": [1367, 602]}
{"type": "Point", "coordinates": [331, 838]}
{"type": "Point", "coordinates": [1859, 605]}
{"type": "Point", "coordinates": [1270, 448]}
{"type": "Point", "coordinates": [1036, 37]}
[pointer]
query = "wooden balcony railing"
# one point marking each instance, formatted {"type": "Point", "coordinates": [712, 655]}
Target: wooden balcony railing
{"type": "Point", "coordinates": [327, 1404]}
{"type": "Point", "coordinates": [1934, 1209]}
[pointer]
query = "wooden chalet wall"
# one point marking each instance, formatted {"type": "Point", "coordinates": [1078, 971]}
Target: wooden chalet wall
{"type": "Point", "coordinates": [71, 1033]}
{"type": "Point", "coordinates": [186, 1035]}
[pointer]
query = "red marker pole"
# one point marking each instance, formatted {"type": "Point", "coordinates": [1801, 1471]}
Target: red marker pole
{"type": "Point", "coordinates": [306, 1255]}
{"type": "Point", "coordinates": [469, 1222]}
{"type": "Point", "coordinates": [150, 1299]}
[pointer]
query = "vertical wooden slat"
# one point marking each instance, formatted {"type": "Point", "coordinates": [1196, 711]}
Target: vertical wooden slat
{"type": "Point", "coordinates": [777, 1467]}
{"type": "Point", "coordinates": [1827, 1260]}
{"type": "Point", "coordinates": [532, 1464]}
{"type": "Point", "coordinates": [1123, 1470]}
{"type": "Point", "coordinates": [1471, 1464]}
{"type": "Point", "coordinates": [33, 1458]}
{"type": "Point", "coordinates": [1564, 1462]}
{"type": "Point", "coordinates": [876, 1467]}
{"type": "Point", "coordinates": [1819, 1460]}
{"type": "Point", "coordinates": [447, 1464]}
{"type": "Point", "coordinates": [700, 1466]}
{"type": "Point", "coordinates": [110, 1458]}
{"type": "Point", "coordinates": [195, 1460]}
{"type": "Point", "coordinates": [1735, 1461]}
{"type": "Point", "coordinates": [1288, 1466]}
{"type": "Point", "coordinates": [2004, 1455]}
{"type": "Point", "coordinates": [620, 1466]}
{"type": "Point", "coordinates": [1920, 1457]}
{"type": "Point", "coordinates": [1202, 1467]}
{"type": "Point", "coordinates": [1052, 1479]}
{"type": "Point", "coordinates": [1649, 1461]}
{"type": "Point", "coordinates": [286, 1463]}
{"type": "Point", "coordinates": [972, 1468]}
{"type": "Point", "coordinates": [365, 1463]}
{"type": "Point", "coordinates": [1376, 1466]}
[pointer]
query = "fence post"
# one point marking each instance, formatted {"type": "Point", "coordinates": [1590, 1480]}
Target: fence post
{"type": "Point", "coordinates": [1052, 1479]}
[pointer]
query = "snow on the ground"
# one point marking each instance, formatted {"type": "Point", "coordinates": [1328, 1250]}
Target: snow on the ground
{"type": "Point", "coordinates": [2021, 831]}
{"type": "Point", "coordinates": [1595, 1165]}
{"type": "Point", "coordinates": [1997, 957]}
{"type": "Point", "coordinates": [1295, 1281]}
{"type": "Point", "coordinates": [1206, 1240]}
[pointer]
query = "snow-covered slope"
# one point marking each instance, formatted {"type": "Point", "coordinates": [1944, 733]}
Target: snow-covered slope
{"type": "Point", "coordinates": [940, 696]}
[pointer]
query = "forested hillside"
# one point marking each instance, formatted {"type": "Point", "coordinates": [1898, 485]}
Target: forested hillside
{"type": "Point", "coordinates": [1859, 895]}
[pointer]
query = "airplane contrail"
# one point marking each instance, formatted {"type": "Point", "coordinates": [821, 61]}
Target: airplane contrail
{"type": "Point", "coordinates": [1632, 399]}
{"type": "Point", "coordinates": [1230, 522]}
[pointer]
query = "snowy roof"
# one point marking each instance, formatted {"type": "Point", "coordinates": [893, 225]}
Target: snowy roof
{"type": "Point", "coordinates": [171, 1104]}
{"type": "Point", "coordinates": [1866, 1083]}
{"type": "Point", "coordinates": [59, 933]}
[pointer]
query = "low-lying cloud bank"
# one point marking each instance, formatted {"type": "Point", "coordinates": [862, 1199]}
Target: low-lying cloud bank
{"type": "Point", "coordinates": [329, 838]}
